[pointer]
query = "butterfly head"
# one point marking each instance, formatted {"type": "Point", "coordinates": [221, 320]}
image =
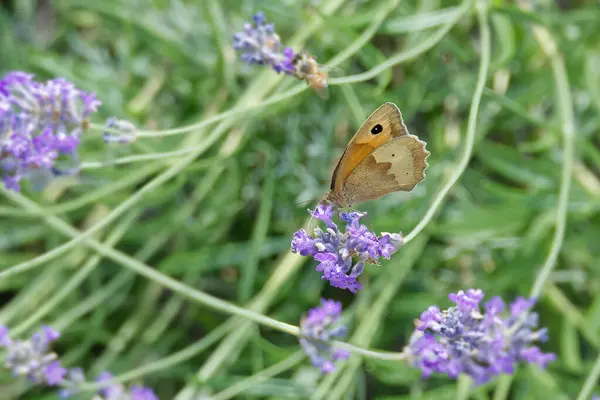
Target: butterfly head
{"type": "Point", "coordinates": [334, 198]}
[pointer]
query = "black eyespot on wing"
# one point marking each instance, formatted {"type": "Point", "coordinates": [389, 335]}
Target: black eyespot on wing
{"type": "Point", "coordinates": [393, 155]}
{"type": "Point", "coordinates": [376, 129]}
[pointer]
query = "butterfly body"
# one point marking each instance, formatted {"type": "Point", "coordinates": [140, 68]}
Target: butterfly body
{"type": "Point", "coordinates": [381, 158]}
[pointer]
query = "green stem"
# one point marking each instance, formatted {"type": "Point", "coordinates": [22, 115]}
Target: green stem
{"type": "Point", "coordinates": [463, 387]}
{"type": "Point", "coordinates": [146, 157]}
{"type": "Point", "coordinates": [137, 175]}
{"type": "Point", "coordinates": [154, 275]}
{"type": "Point", "coordinates": [116, 213]}
{"type": "Point", "coordinates": [91, 302]}
{"type": "Point", "coordinates": [564, 103]}
{"type": "Point", "coordinates": [590, 381]}
{"type": "Point", "coordinates": [380, 17]}
{"type": "Point", "coordinates": [404, 55]}
{"type": "Point", "coordinates": [231, 344]}
{"type": "Point", "coordinates": [452, 19]}
{"type": "Point", "coordinates": [379, 355]}
{"type": "Point", "coordinates": [465, 383]}
{"type": "Point", "coordinates": [503, 387]}
{"type": "Point", "coordinates": [70, 285]}
{"type": "Point", "coordinates": [484, 65]}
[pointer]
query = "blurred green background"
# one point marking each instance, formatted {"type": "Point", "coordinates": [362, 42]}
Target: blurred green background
{"type": "Point", "coordinates": [223, 221]}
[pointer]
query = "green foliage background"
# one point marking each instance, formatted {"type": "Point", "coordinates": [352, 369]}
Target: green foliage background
{"type": "Point", "coordinates": [218, 217]}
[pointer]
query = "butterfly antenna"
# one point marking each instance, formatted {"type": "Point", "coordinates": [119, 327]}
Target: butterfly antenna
{"type": "Point", "coordinates": [312, 215]}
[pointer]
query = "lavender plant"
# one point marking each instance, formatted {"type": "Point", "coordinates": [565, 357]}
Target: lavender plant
{"type": "Point", "coordinates": [33, 360]}
{"type": "Point", "coordinates": [463, 339]}
{"type": "Point", "coordinates": [479, 340]}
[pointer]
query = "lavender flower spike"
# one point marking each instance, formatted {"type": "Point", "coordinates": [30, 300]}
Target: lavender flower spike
{"type": "Point", "coordinates": [40, 126]}
{"type": "Point", "coordinates": [259, 44]}
{"type": "Point", "coordinates": [32, 358]}
{"type": "Point", "coordinates": [321, 325]}
{"type": "Point", "coordinates": [462, 339]}
{"type": "Point", "coordinates": [342, 255]}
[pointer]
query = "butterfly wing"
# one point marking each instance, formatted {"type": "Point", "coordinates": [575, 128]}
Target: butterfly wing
{"type": "Point", "coordinates": [398, 164]}
{"type": "Point", "coordinates": [382, 125]}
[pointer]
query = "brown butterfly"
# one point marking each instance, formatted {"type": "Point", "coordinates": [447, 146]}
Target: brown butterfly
{"type": "Point", "coordinates": [381, 158]}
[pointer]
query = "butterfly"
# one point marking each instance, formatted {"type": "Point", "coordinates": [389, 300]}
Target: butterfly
{"type": "Point", "coordinates": [381, 158]}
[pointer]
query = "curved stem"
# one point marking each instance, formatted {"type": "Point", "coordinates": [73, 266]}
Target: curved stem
{"type": "Point", "coordinates": [234, 112]}
{"type": "Point", "coordinates": [131, 179]}
{"type": "Point", "coordinates": [165, 363]}
{"type": "Point", "coordinates": [484, 65]}
{"type": "Point", "coordinates": [564, 103]}
{"type": "Point", "coordinates": [404, 55]}
{"type": "Point", "coordinates": [154, 275]}
{"type": "Point", "coordinates": [351, 50]}
{"type": "Point", "coordinates": [143, 157]}
{"type": "Point", "coordinates": [70, 285]}
{"type": "Point", "coordinates": [590, 381]}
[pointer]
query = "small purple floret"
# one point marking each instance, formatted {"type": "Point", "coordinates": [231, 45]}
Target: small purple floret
{"type": "Point", "coordinates": [114, 390]}
{"type": "Point", "coordinates": [463, 340]}
{"type": "Point", "coordinates": [54, 373]}
{"type": "Point", "coordinates": [33, 358]}
{"type": "Point", "coordinates": [320, 326]}
{"type": "Point", "coordinates": [142, 393]}
{"type": "Point", "coordinates": [342, 255]}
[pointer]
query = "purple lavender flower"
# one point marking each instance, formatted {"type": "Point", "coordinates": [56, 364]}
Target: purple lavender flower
{"type": "Point", "coordinates": [40, 125]}
{"type": "Point", "coordinates": [142, 393]}
{"type": "Point", "coordinates": [318, 328]}
{"type": "Point", "coordinates": [342, 255]}
{"type": "Point", "coordinates": [128, 131]}
{"type": "Point", "coordinates": [74, 378]}
{"type": "Point", "coordinates": [32, 358]}
{"type": "Point", "coordinates": [259, 44]}
{"type": "Point", "coordinates": [114, 391]}
{"type": "Point", "coordinates": [463, 340]}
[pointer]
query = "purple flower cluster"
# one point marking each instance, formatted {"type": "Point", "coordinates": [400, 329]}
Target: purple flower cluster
{"type": "Point", "coordinates": [128, 131]}
{"type": "Point", "coordinates": [321, 325]}
{"type": "Point", "coordinates": [39, 123]}
{"type": "Point", "coordinates": [32, 358]}
{"type": "Point", "coordinates": [342, 255]}
{"type": "Point", "coordinates": [463, 340]}
{"type": "Point", "coordinates": [259, 44]}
